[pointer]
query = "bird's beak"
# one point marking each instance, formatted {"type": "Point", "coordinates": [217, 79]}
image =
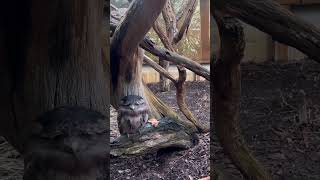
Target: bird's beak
{"type": "Point", "coordinates": [131, 107]}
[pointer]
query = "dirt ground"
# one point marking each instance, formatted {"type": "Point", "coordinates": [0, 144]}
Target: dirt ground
{"type": "Point", "coordinates": [280, 119]}
{"type": "Point", "coordinates": [176, 165]}
{"type": "Point", "coordinates": [280, 123]}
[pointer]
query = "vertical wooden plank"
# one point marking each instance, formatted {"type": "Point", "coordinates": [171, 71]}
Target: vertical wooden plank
{"type": "Point", "coordinates": [281, 50]}
{"type": "Point", "coordinates": [205, 30]}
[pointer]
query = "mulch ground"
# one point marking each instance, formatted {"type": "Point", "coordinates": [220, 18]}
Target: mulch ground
{"type": "Point", "coordinates": [280, 120]}
{"type": "Point", "coordinates": [175, 165]}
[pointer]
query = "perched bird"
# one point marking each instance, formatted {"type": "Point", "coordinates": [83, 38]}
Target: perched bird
{"type": "Point", "coordinates": [132, 114]}
{"type": "Point", "coordinates": [67, 142]}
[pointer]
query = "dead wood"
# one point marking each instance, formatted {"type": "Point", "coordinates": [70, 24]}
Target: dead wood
{"type": "Point", "coordinates": [173, 57]}
{"type": "Point", "coordinates": [195, 67]}
{"type": "Point", "coordinates": [180, 86]}
{"type": "Point", "coordinates": [168, 134]}
{"type": "Point", "coordinates": [226, 103]}
{"type": "Point", "coordinates": [186, 17]}
{"type": "Point", "coordinates": [273, 19]}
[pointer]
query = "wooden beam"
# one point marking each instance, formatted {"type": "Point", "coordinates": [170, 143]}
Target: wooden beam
{"type": "Point", "coordinates": [289, 2]}
{"type": "Point", "coordinates": [205, 30]}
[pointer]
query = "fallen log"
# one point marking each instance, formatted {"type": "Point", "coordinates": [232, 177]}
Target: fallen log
{"type": "Point", "coordinates": [168, 134]}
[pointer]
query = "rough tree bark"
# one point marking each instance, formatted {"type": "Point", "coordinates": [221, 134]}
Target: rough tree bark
{"type": "Point", "coordinates": [226, 102]}
{"type": "Point", "coordinates": [174, 31]}
{"type": "Point", "coordinates": [170, 22]}
{"type": "Point", "coordinates": [121, 46]}
{"type": "Point", "coordinates": [50, 57]}
{"type": "Point", "coordinates": [273, 19]}
{"type": "Point", "coordinates": [125, 51]}
{"type": "Point", "coordinates": [193, 66]}
{"type": "Point", "coordinates": [126, 70]}
{"type": "Point", "coordinates": [164, 53]}
{"type": "Point", "coordinates": [181, 91]}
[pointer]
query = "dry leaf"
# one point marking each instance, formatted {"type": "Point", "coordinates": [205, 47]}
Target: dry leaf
{"type": "Point", "coordinates": [154, 122]}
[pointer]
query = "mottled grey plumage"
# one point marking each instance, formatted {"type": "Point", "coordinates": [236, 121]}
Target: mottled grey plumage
{"type": "Point", "coordinates": [65, 142]}
{"type": "Point", "coordinates": [132, 114]}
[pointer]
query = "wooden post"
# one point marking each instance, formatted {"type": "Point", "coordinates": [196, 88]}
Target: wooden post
{"type": "Point", "coordinates": [281, 50]}
{"type": "Point", "coordinates": [205, 30]}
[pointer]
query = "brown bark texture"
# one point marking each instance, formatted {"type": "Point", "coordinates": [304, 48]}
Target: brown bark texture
{"type": "Point", "coordinates": [126, 65]}
{"type": "Point", "coordinates": [50, 57]}
{"type": "Point", "coordinates": [275, 20]}
{"type": "Point", "coordinates": [226, 98]}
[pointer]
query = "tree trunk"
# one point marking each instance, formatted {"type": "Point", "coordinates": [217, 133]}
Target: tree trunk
{"type": "Point", "coordinates": [51, 57]}
{"type": "Point", "coordinates": [126, 70]}
{"type": "Point", "coordinates": [273, 19]}
{"type": "Point", "coordinates": [127, 78]}
{"type": "Point", "coordinates": [126, 56]}
{"type": "Point", "coordinates": [226, 102]}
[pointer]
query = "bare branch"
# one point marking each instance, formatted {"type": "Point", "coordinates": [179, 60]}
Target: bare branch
{"type": "Point", "coordinates": [181, 91]}
{"type": "Point", "coordinates": [271, 18]}
{"type": "Point", "coordinates": [181, 11]}
{"type": "Point", "coordinates": [195, 67]}
{"type": "Point", "coordinates": [187, 16]}
{"type": "Point", "coordinates": [159, 69]}
{"type": "Point", "coordinates": [181, 101]}
{"type": "Point", "coordinates": [170, 20]}
{"type": "Point", "coordinates": [162, 35]}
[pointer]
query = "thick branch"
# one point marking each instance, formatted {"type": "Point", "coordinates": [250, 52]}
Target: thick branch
{"type": "Point", "coordinates": [159, 69]}
{"type": "Point", "coordinates": [125, 41]}
{"type": "Point", "coordinates": [170, 20]}
{"type": "Point", "coordinates": [195, 67]}
{"type": "Point", "coordinates": [280, 23]}
{"type": "Point", "coordinates": [181, 101]}
{"type": "Point", "coordinates": [162, 35]}
{"type": "Point", "coordinates": [226, 103]}
{"type": "Point", "coordinates": [187, 16]}
{"type": "Point", "coordinates": [181, 91]}
{"type": "Point", "coordinates": [127, 36]}
{"type": "Point", "coordinates": [168, 55]}
{"type": "Point", "coordinates": [182, 11]}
